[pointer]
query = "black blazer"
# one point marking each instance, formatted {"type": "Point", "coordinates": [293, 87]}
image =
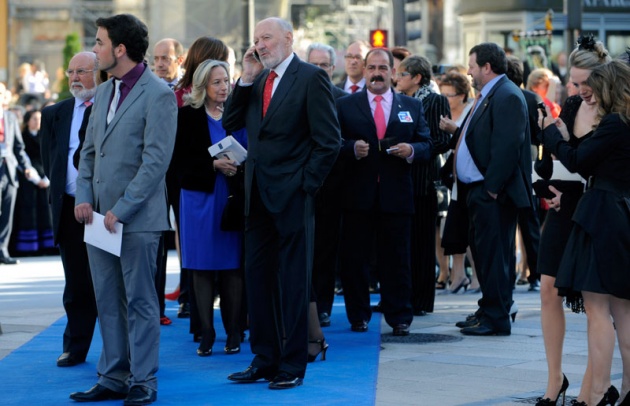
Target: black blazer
{"type": "Point", "coordinates": [295, 145]}
{"type": "Point", "coordinates": [498, 138]}
{"type": "Point", "coordinates": [55, 142]}
{"type": "Point", "coordinates": [192, 163]}
{"type": "Point", "coordinates": [380, 177]}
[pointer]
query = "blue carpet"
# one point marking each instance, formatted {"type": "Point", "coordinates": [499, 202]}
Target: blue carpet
{"type": "Point", "coordinates": [29, 375]}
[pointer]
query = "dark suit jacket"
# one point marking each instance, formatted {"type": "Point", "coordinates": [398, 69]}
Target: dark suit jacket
{"type": "Point", "coordinates": [192, 163]}
{"type": "Point", "coordinates": [295, 145]}
{"type": "Point", "coordinates": [380, 177]}
{"type": "Point", "coordinates": [16, 156]}
{"type": "Point", "coordinates": [498, 141]}
{"type": "Point", "coordinates": [532, 100]}
{"type": "Point", "coordinates": [55, 138]}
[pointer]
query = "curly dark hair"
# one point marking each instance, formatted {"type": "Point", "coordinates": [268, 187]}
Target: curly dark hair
{"type": "Point", "coordinates": [489, 52]}
{"type": "Point", "coordinates": [128, 30]}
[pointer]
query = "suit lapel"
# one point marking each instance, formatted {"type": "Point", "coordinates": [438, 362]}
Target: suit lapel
{"type": "Point", "coordinates": [135, 92]}
{"type": "Point", "coordinates": [63, 124]}
{"type": "Point", "coordinates": [364, 108]}
{"type": "Point", "coordinates": [288, 78]}
{"type": "Point", "coordinates": [480, 110]}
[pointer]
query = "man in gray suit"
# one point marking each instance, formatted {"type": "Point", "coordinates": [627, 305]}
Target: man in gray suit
{"type": "Point", "coordinates": [128, 146]}
{"type": "Point", "coordinates": [12, 156]}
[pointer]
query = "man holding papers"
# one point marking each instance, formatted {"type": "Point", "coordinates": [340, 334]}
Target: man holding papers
{"type": "Point", "coordinates": [128, 146]}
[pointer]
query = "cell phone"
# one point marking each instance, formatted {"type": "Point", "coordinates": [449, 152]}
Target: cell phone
{"type": "Point", "coordinates": [392, 149]}
{"type": "Point", "coordinates": [542, 108]}
{"type": "Point", "coordinates": [256, 56]}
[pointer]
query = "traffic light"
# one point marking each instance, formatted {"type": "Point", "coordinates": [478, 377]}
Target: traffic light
{"type": "Point", "coordinates": [378, 38]}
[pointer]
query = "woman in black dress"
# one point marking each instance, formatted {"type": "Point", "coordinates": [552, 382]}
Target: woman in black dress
{"type": "Point", "coordinates": [579, 114]}
{"type": "Point", "coordinates": [596, 257]}
{"type": "Point", "coordinates": [414, 79]}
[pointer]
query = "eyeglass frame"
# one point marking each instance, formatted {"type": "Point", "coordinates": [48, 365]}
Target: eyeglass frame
{"type": "Point", "coordinates": [81, 72]}
{"type": "Point", "coordinates": [324, 66]}
{"type": "Point", "coordinates": [356, 57]}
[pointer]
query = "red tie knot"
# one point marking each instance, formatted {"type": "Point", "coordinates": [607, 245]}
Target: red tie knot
{"type": "Point", "coordinates": [354, 88]}
{"type": "Point", "coordinates": [378, 98]}
{"type": "Point", "coordinates": [87, 103]}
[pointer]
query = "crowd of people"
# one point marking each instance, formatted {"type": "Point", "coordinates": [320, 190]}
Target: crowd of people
{"type": "Point", "coordinates": [370, 181]}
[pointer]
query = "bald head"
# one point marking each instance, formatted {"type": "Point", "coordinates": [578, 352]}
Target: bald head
{"type": "Point", "coordinates": [82, 75]}
{"type": "Point", "coordinates": [168, 56]}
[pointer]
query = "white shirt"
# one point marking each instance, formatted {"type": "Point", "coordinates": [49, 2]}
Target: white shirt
{"type": "Point", "coordinates": [77, 119]}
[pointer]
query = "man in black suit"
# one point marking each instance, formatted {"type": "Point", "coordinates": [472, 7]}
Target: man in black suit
{"type": "Point", "coordinates": [493, 167]}
{"type": "Point", "coordinates": [327, 207]}
{"type": "Point", "coordinates": [377, 202]}
{"type": "Point", "coordinates": [353, 81]}
{"type": "Point", "coordinates": [293, 139]}
{"type": "Point", "coordinates": [528, 216]}
{"type": "Point", "coordinates": [59, 131]}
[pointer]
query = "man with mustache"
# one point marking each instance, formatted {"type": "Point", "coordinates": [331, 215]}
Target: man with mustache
{"type": "Point", "coordinates": [60, 140]}
{"type": "Point", "coordinates": [383, 134]}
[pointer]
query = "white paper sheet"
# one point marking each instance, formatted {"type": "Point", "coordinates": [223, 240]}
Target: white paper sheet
{"type": "Point", "coordinates": [229, 148]}
{"type": "Point", "coordinates": [97, 235]}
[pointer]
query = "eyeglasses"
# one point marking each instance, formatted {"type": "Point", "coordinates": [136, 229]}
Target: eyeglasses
{"type": "Point", "coordinates": [80, 72]}
{"type": "Point", "coordinates": [324, 66]}
{"type": "Point", "coordinates": [402, 74]}
{"type": "Point", "coordinates": [450, 95]}
{"type": "Point", "coordinates": [355, 57]}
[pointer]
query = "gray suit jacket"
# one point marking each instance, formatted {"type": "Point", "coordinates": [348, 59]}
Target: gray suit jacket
{"type": "Point", "coordinates": [16, 157]}
{"type": "Point", "coordinates": [123, 164]}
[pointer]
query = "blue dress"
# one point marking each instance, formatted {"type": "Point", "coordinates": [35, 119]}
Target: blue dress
{"type": "Point", "coordinates": [204, 246]}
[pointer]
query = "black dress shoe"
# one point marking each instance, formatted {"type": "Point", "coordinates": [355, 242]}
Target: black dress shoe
{"type": "Point", "coordinates": [68, 359]}
{"type": "Point", "coordinates": [324, 319]}
{"type": "Point", "coordinates": [482, 330]}
{"type": "Point", "coordinates": [140, 395]}
{"type": "Point", "coordinates": [401, 330]}
{"type": "Point", "coordinates": [359, 326]}
{"type": "Point", "coordinates": [97, 393]}
{"type": "Point", "coordinates": [469, 322]}
{"type": "Point", "coordinates": [8, 260]}
{"type": "Point", "coordinates": [285, 380]}
{"type": "Point", "coordinates": [251, 375]}
{"type": "Point", "coordinates": [184, 311]}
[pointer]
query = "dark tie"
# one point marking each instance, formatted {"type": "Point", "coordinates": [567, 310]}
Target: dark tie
{"type": "Point", "coordinates": [354, 88]}
{"type": "Point", "coordinates": [462, 133]}
{"type": "Point", "coordinates": [86, 115]}
{"type": "Point", "coordinates": [267, 91]}
{"type": "Point", "coordinates": [379, 118]}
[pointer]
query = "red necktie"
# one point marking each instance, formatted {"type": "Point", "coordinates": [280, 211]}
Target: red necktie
{"type": "Point", "coordinates": [354, 88]}
{"type": "Point", "coordinates": [1, 130]}
{"type": "Point", "coordinates": [267, 91]}
{"type": "Point", "coordinates": [379, 118]}
{"type": "Point", "coordinates": [87, 103]}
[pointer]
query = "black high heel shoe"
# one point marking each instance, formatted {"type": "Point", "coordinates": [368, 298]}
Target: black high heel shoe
{"type": "Point", "coordinates": [563, 391]}
{"type": "Point", "coordinates": [323, 347]}
{"type": "Point", "coordinates": [463, 284]}
{"type": "Point", "coordinates": [205, 346]}
{"type": "Point", "coordinates": [231, 348]}
{"type": "Point", "coordinates": [610, 397]}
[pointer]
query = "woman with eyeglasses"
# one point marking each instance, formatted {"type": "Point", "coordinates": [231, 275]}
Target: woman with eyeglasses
{"type": "Point", "coordinates": [414, 80]}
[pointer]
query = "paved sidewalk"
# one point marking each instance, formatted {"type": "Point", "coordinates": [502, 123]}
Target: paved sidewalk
{"type": "Point", "coordinates": [456, 371]}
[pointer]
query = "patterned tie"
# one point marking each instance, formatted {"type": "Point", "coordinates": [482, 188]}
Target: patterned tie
{"type": "Point", "coordinates": [267, 91]}
{"type": "Point", "coordinates": [463, 133]}
{"type": "Point", "coordinates": [354, 88]}
{"type": "Point", "coordinates": [114, 104]}
{"type": "Point", "coordinates": [379, 118]}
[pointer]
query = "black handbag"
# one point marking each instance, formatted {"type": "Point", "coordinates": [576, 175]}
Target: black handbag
{"type": "Point", "coordinates": [233, 216]}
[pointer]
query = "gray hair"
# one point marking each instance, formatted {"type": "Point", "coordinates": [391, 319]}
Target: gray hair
{"type": "Point", "coordinates": [316, 46]}
{"type": "Point", "coordinates": [197, 95]}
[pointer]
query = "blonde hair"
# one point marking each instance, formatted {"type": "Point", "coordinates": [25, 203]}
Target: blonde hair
{"type": "Point", "coordinates": [538, 77]}
{"type": "Point", "coordinates": [611, 87]}
{"type": "Point", "coordinates": [589, 58]}
{"type": "Point", "coordinates": [197, 95]}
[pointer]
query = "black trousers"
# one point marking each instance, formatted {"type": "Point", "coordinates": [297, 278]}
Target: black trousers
{"type": "Point", "coordinates": [327, 232]}
{"type": "Point", "coordinates": [78, 293]}
{"type": "Point", "coordinates": [392, 232]}
{"type": "Point", "coordinates": [530, 232]}
{"type": "Point", "coordinates": [278, 264]}
{"type": "Point", "coordinates": [492, 232]}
